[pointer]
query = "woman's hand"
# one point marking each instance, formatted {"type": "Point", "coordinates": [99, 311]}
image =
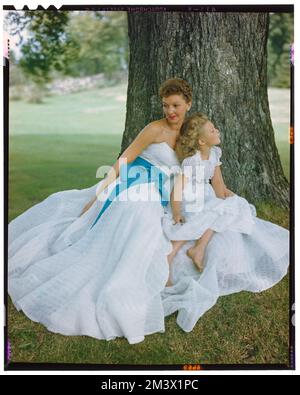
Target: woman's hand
{"type": "Point", "coordinates": [178, 218]}
{"type": "Point", "coordinates": [104, 184]}
{"type": "Point", "coordinates": [87, 206]}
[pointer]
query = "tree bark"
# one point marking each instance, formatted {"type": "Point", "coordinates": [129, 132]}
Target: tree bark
{"type": "Point", "coordinates": [224, 58]}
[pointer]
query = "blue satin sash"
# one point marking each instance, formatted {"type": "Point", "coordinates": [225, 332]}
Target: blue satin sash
{"type": "Point", "coordinates": [129, 177]}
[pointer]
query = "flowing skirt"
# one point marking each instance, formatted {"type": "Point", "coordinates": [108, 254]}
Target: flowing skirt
{"type": "Point", "coordinates": [245, 254]}
{"type": "Point", "coordinates": [102, 281]}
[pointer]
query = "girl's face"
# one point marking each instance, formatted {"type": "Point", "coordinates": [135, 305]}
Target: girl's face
{"type": "Point", "coordinates": [210, 136]}
{"type": "Point", "coordinates": [175, 108]}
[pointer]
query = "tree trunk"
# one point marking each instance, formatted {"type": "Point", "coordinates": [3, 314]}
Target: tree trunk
{"type": "Point", "coordinates": [224, 57]}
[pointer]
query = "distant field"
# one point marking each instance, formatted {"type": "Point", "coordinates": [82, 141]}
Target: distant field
{"type": "Point", "coordinates": [279, 101]}
{"type": "Point", "coordinates": [100, 111]}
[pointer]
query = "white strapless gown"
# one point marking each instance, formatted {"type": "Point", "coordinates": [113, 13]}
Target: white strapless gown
{"type": "Point", "coordinates": [103, 281]}
{"type": "Point", "coordinates": [109, 281]}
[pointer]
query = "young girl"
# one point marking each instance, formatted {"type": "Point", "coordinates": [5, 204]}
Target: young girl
{"type": "Point", "coordinates": [201, 204]}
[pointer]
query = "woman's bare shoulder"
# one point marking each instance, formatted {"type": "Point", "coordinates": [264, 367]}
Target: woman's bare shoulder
{"type": "Point", "coordinates": [156, 125]}
{"type": "Point", "coordinates": [156, 129]}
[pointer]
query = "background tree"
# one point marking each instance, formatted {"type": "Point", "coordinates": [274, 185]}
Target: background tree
{"type": "Point", "coordinates": [224, 58]}
{"type": "Point", "coordinates": [46, 45]}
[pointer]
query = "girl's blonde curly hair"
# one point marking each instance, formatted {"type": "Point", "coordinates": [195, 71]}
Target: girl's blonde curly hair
{"type": "Point", "coordinates": [190, 132]}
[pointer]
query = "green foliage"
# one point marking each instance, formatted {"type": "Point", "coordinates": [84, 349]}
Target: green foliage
{"type": "Point", "coordinates": [71, 43]}
{"type": "Point", "coordinates": [45, 48]}
{"type": "Point", "coordinates": [100, 44]}
{"type": "Point", "coordinates": [16, 74]}
{"type": "Point", "coordinates": [281, 36]}
{"type": "Point", "coordinates": [24, 86]}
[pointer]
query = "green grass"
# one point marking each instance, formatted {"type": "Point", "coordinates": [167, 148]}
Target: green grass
{"type": "Point", "coordinates": [241, 328]}
{"type": "Point", "coordinates": [43, 164]}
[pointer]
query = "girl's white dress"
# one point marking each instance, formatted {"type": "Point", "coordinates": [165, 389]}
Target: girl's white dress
{"type": "Point", "coordinates": [246, 252]}
{"type": "Point", "coordinates": [106, 278]}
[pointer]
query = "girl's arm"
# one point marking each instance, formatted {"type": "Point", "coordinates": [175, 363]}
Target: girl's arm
{"type": "Point", "coordinates": [146, 136]}
{"type": "Point", "coordinates": [228, 192]}
{"type": "Point", "coordinates": [176, 198]}
{"type": "Point", "coordinates": [218, 184]}
{"type": "Point", "coordinates": [217, 181]}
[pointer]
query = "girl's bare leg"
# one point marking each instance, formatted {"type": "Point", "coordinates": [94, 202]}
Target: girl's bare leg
{"type": "Point", "coordinates": [177, 244]}
{"type": "Point", "coordinates": [196, 253]}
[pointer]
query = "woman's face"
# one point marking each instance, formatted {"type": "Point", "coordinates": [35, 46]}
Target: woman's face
{"type": "Point", "coordinates": [211, 135]}
{"type": "Point", "coordinates": [175, 108]}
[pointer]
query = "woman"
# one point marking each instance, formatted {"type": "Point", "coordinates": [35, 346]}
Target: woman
{"type": "Point", "coordinates": [98, 268]}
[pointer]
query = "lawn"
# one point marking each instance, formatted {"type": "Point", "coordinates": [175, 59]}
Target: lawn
{"type": "Point", "coordinates": [59, 145]}
{"type": "Point", "coordinates": [98, 112]}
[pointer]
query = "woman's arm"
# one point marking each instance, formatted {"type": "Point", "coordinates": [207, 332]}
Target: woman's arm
{"type": "Point", "coordinates": [176, 198]}
{"type": "Point", "coordinates": [147, 136]}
